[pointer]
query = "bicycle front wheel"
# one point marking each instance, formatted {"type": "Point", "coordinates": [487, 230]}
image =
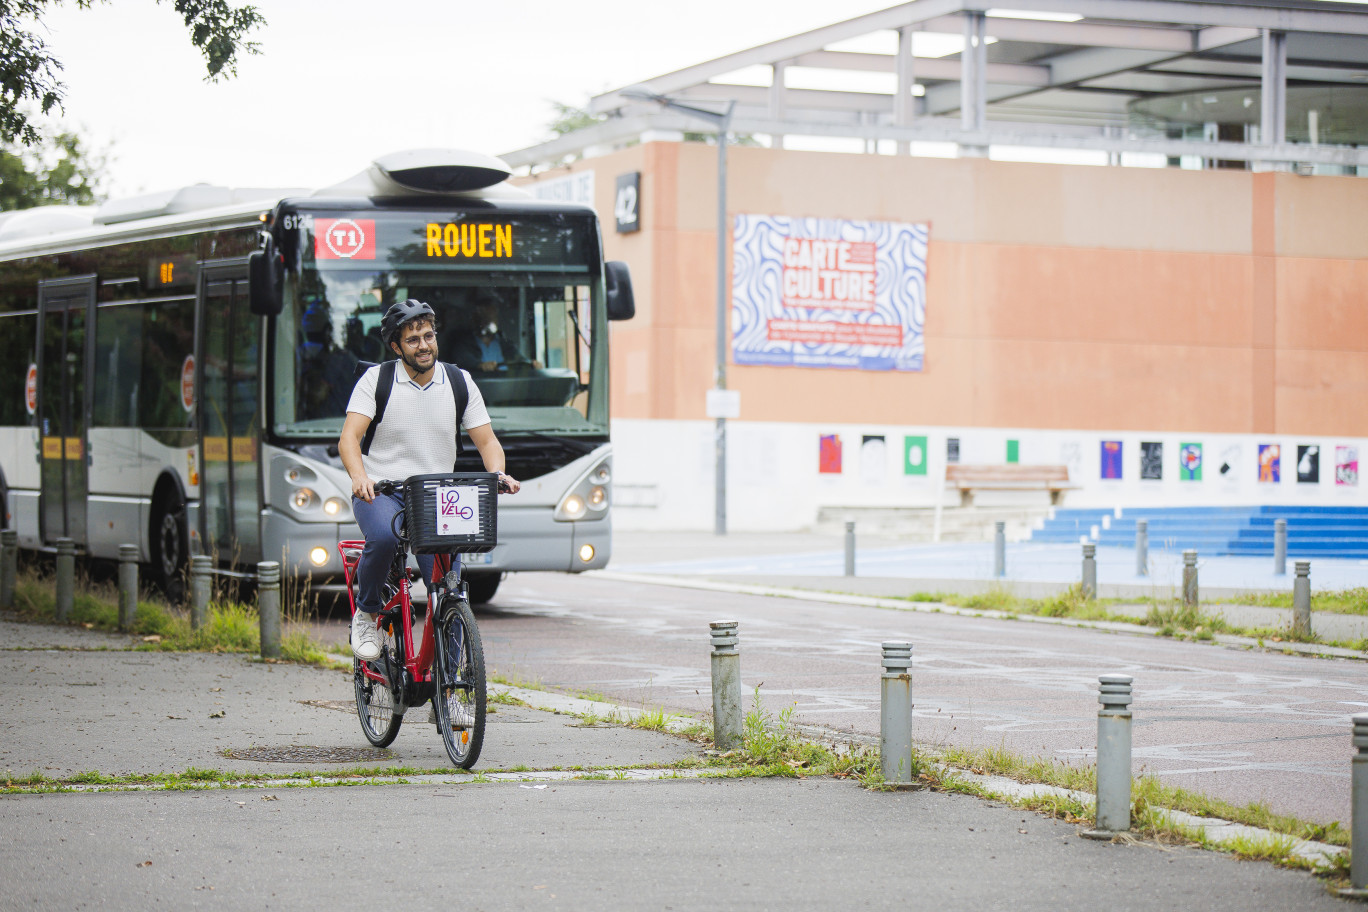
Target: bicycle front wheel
{"type": "Point", "coordinates": [459, 679]}
{"type": "Point", "coordinates": [374, 701]}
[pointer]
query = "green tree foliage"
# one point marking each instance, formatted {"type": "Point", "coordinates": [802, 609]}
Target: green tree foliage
{"type": "Point", "coordinates": [570, 118]}
{"type": "Point", "coordinates": [56, 169]}
{"type": "Point", "coordinates": [29, 74]}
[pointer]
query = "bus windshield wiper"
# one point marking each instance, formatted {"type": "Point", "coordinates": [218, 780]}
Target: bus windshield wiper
{"type": "Point", "coordinates": [570, 443]}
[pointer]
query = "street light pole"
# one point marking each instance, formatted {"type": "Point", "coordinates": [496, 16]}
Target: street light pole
{"type": "Point", "coordinates": [720, 524]}
{"type": "Point", "coordinates": [721, 122]}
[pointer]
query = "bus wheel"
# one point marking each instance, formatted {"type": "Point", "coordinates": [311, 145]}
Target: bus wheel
{"type": "Point", "coordinates": [482, 586]}
{"type": "Point", "coordinates": [170, 549]}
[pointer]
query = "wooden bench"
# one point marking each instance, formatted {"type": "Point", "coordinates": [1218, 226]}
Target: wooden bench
{"type": "Point", "coordinates": [1011, 477]}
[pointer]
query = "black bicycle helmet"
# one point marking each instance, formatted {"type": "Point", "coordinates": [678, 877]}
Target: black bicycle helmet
{"type": "Point", "coordinates": [399, 314]}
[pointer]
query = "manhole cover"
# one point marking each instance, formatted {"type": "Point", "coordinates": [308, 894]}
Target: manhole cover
{"type": "Point", "coordinates": [298, 753]}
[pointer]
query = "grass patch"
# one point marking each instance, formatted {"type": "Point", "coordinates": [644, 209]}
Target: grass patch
{"type": "Point", "coordinates": [231, 626]}
{"type": "Point", "coordinates": [1347, 601]}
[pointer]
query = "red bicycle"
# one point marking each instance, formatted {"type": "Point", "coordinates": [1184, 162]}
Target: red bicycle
{"type": "Point", "coordinates": [445, 663]}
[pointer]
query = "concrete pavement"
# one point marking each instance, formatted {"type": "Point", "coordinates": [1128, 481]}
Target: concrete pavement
{"type": "Point", "coordinates": [76, 702]}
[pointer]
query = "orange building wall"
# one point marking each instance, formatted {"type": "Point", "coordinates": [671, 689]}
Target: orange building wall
{"type": "Point", "coordinates": [1058, 296]}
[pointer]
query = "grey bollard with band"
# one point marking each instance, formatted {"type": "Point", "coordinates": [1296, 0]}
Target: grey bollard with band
{"type": "Point", "coordinates": [1280, 547]}
{"type": "Point", "coordinates": [1090, 571]}
{"type": "Point", "coordinates": [201, 589]}
{"type": "Point", "coordinates": [1142, 547]}
{"type": "Point", "coordinates": [268, 607]}
{"type": "Point", "coordinates": [1190, 591]}
{"type": "Point", "coordinates": [895, 714]}
{"type": "Point", "coordinates": [9, 566]}
{"type": "Point", "coordinates": [850, 549]}
{"type": "Point", "coordinates": [1113, 757]}
{"type": "Point", "coordinates": [726, 685]}
{"type": "Point", "coordinates": [1301, 600]}
{"type": "Point", "coordinates": [999, 549]}
{"type": "Point", "coordinates": [66, 578]}
{"type": "Point", "coordinates": [1358, 809]}
{"type": "Point", "coordinates": [128, 586]}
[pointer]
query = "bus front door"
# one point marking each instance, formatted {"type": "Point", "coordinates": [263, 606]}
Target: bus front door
{"type": "Point", "coordinates": [65, 307]}
{"type": "Point", "coordinates": [230, 422]}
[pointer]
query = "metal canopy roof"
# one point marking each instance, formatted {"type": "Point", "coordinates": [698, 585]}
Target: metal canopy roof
{"type": "Point", "coordinates": [1265, 82]}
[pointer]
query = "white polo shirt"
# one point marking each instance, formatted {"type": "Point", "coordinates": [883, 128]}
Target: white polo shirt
{"type": "Point", "coordinates": [417, 435]}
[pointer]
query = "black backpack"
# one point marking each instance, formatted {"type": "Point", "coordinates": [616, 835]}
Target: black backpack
{"type": "Point", "coordinates": [385, 382]}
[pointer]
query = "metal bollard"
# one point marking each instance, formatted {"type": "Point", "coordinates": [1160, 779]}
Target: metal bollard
{"type": "Point", "coordinates": [1358, 810]}
{"type": "Point", "coordinates": [850, 549]}
{"type": "Point", "coordinates": [895, 714]}
{"type": "Point", "coordinates": [268, 607]}
{"type": "Point", "coordinates": [201, 589]}
{"type": "Point", "coordinates": [9, 566]}
{"type": "Point", "coordinates": [128, 586]}
{"type": "Point", "coordinates": [1090, 571]}
{"type": "Point", "coordinates": [999, 549]}
{"type": "Point", "coordinates": [1280, 547]}
{"type": "Point", "coordinates": [66, 578]}
{"type": "Point", "coordinates": [1142, 547]}
{"type": "Point", "coordinates": [1113, 757]}
{"type": "Point", "coordinates": [1301, 600]}
{"type": "Point", "coordinates": [726, 685]}
{"type": "Point", "coordinates": [1190, 578]}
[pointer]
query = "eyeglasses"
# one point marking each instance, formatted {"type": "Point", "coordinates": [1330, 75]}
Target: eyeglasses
{"type": "Point", "coordinates": [413, 341]}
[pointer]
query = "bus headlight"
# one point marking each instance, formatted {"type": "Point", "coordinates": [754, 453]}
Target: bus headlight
{"type": "Point", "coordinates": [333, 506]}
{"type": "Point", "coordinates": [598, 498]}
{"type": "Point", "coordinates": [601, 474]}
{"type": "Point", "coordinates": [302, 499]}
{"type": "Point", "coordinates": [586, 553]}
{"type": "Point", "coordinates": [319, 556]}
{"type": "Point", "coordinates": [571, 508]}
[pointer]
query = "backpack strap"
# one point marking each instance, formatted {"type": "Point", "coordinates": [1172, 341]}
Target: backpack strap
{"type": "Point", "coordinates": [462, 394]}
{"type": "Point", "coordinates": [384, 384]}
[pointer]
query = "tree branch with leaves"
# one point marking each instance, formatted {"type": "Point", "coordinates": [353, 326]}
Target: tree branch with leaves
{"type": "Point", "coordinates": [30, 73]}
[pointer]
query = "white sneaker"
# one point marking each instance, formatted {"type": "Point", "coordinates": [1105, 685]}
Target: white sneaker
{"type": "Point", "coordinates": [366, 642]}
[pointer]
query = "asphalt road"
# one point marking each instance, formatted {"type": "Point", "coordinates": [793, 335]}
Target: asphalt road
{"type": "Point", "coordinates": [1242, 725]}
{"type": "Point", "coordinates": [688, 844]}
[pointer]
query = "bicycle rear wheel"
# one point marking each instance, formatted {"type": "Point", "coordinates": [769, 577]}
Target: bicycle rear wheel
{"type": "Point", "coordinates": [459, 679]}
{"type": "Point", "coordinates": [374, 701]}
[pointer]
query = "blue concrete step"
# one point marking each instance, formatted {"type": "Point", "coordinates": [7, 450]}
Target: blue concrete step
{"type": "Point", "coordinates": [1312, 531]}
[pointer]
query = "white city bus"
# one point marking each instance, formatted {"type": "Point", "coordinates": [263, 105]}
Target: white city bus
{"type": "Point", "coordinates": [175, 368]}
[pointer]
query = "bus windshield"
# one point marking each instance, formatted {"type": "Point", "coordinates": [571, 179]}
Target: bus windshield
{"type": "Point", "coordinates": [529, 330]}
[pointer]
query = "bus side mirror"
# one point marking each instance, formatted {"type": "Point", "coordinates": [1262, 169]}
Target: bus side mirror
{"type": "Point", "coordinates": [266, 278]}
{"type": "Point", "coordinates": [621, 304]}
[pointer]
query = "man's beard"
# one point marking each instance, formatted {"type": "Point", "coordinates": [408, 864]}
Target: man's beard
{"type": "Point", "coordinates": [412, 361]}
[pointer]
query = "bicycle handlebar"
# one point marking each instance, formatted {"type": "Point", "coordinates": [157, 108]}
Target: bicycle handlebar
{"type": "Point", "coordinates": [391, 486]}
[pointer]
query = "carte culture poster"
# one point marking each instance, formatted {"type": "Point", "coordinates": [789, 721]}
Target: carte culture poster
{"type": "Point", "coordinates": [810, 292]}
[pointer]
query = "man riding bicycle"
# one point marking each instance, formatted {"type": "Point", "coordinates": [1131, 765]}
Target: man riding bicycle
{"type": "Point", "coordinates": [416, 436]}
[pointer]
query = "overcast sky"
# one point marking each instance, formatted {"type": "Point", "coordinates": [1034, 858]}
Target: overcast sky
{"type": "Point", "coordinates": [341, 81]}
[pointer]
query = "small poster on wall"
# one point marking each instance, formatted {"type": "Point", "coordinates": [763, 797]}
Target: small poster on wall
{"type": "Point", "coordinates": [873, 457]}
{"type": "Point", "coordinates": [1189, 462]}
{"type": "Point", "coordinates": [1308, 465]}
{"type": "Point", "coordinates": [1151, 460]}
{"type": "Point", "coordinates": [1270, 463]}
{"type": "Point", "coordinates": [914, 455]}
{"type": "Point", "coordinates": [952, 450]}
{"type": "Point", "coordinates": [1346, 466]}
{"type": "Point", "coordinates": [829, 455]}
{"type": "Point", "coordinates": [1111, 459]}
{"type": "Point", "coordinates": [1230, 463]}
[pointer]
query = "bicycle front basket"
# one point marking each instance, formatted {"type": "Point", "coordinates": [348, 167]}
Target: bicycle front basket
{"type": "Point", "coordinates": [452, 512]}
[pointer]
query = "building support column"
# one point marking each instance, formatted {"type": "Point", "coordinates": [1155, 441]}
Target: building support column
{"type": "Point", "coordinates": [776, 100]}
{"type": "Point", "coordinates": [1273, 117]}
{"type": "Point", "coordinates": [973, 82]}
{"type": "Point", "coordinates": [904, 103]}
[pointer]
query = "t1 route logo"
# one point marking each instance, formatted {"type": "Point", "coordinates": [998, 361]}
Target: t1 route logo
{"type": "Point", "coordinates": [344, 239]}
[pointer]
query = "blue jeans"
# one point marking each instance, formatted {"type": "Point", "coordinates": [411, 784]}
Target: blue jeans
{"type": "Point", "coordinates": [377, 523]}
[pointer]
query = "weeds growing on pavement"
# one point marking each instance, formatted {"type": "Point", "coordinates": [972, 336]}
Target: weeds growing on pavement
{"type": "Point", "coordinates": [230, 626]}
